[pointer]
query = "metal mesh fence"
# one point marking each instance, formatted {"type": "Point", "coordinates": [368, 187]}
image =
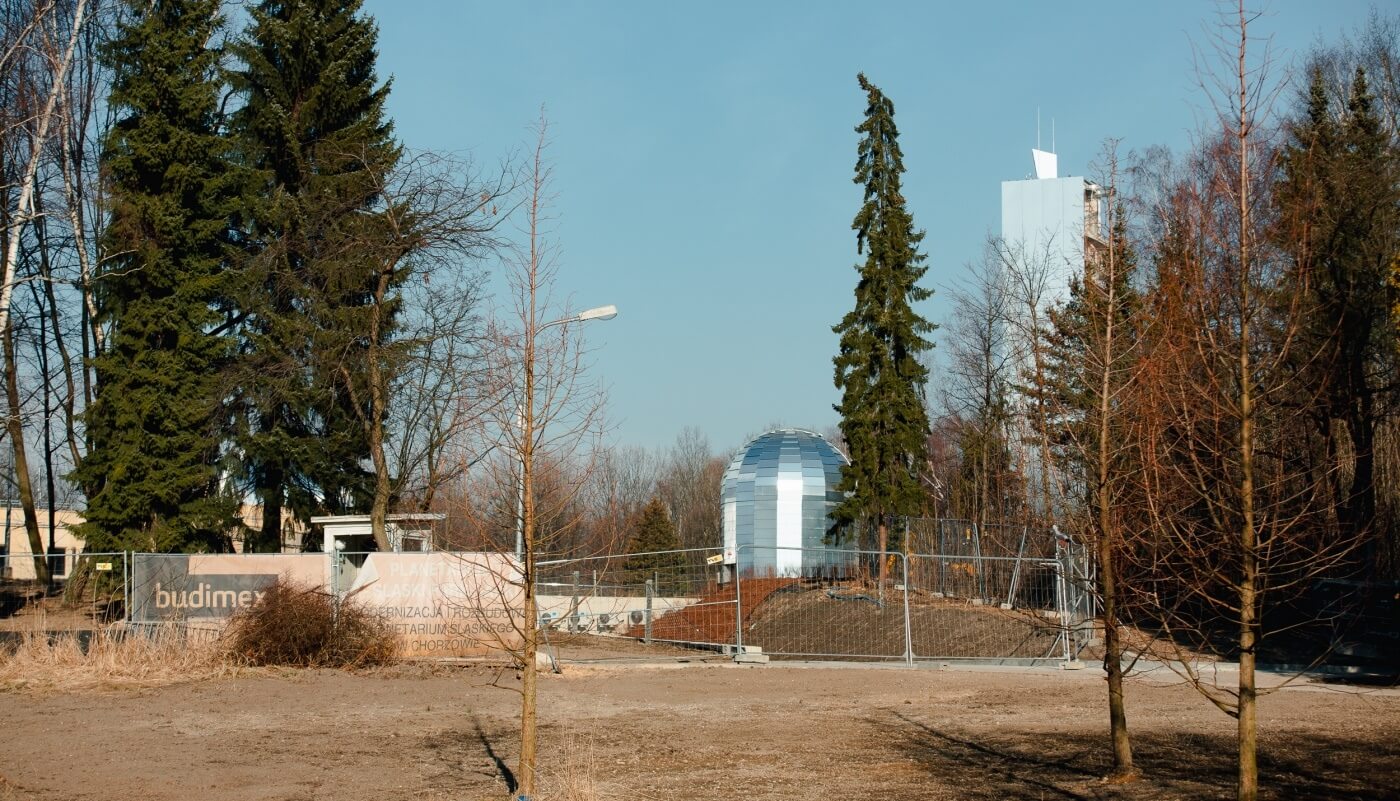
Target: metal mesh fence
{"type": "Point", "coordinates": [669, 596]}
{"type": "Point", "coordinates": [91, 592]}
{"type": "Point", "coordinates": [823, 603]}
{"type": "Point", "coordinates": [984, 607]}
{"type": "Point", "coordinates": [98, 586]}
{"type": "Point", "coordinates": [928, 606]}
{"type": "Point", "coordinates": [955, 537]}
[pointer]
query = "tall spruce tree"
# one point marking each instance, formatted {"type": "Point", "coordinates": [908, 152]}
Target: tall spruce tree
{"type": "Point", "coordinates": [315, 133]}
{"type": "Point", "coordinates": [878, 368]}
{"type": "Point", "coordinates": [157, 422]}
{"type": "Point", "coordinates": [1340, 219]}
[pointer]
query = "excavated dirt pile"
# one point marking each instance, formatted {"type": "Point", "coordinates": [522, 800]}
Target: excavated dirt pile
{"type": "Point", "coordinates": [804, 618]}
{"type": "Point", "coordinates": [848, 621]}
{"type": "Point", "coordinates": [711, 618]}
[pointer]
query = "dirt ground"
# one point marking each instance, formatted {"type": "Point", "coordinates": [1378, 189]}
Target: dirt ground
{"type": "Point", "coordinates": [692, 730]}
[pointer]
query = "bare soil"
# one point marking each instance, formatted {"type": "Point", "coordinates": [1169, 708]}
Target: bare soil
{"type": "Point", "coordinates": [671, 730]}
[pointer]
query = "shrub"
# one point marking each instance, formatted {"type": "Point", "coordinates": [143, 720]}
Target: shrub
{"type": "Point", "coordinates": [298, 626]}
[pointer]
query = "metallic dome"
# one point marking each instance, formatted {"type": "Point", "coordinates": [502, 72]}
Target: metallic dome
{"type": "Point", "coordinates": [776, 499]}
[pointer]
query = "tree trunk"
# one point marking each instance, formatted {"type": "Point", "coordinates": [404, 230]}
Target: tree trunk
{"type": "Point", "coordinates": [884, 540]}
{"type": "Point", "coordinates": [1360, 505]}
{"type": "Point", "coordinates": [43, 299]}
{"type": "Point", "coordinates": [1113, 654]}
{"type": "Point", "coordinates": [529, 677]}
{"type": "Point", "coordinates": [525, 772]}
{"type": "Point", "coordinates": [15, 429]}
{"type": "Point", "coordinates": [1248, 788]}
{"type": "Point", "coordinates": [1107, 541]}
{"type": "Point", "coordinates": [379, 510]}
{"type": "Point", "coordinates": [269, 492]}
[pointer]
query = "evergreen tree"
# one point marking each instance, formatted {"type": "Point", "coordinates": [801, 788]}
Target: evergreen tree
{"type": "Point", "coordinates": [1074, 355]}
{"type": "Point", "coordinates": [654, 546]}
{"type": "Point", "coordinates": [314, 131]}
{"type": "Point", "coordinates": [878, 368]}
{"type": "Point", "coordinates": [1338, 206]}
{"type": "Point", "coordinates": [157, 422]}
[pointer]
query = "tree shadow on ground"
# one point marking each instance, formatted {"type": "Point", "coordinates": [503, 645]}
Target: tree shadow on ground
{"type": "Point", "coordinates": [454, 750]}
{"type": "Point", "coordinates": [1174, 765]}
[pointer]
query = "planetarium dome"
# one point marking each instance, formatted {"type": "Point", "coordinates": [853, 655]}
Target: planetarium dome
{"type": "Point", "coordinates": [776, 497]}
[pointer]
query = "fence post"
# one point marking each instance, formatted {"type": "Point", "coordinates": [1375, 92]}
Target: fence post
{"type": "Point", "coordinates": [646, 630]}
{"type": "Point", "coordinates": [738, 605]}
{"type": "Point", "coordinates": [335, 585]}
{"type": "Point", "coordinates": [942, 562]}
{"type": "Point", "coordinates": [1062, 602]}
{"type": "Point", "coordinates": [981, 568]}
{"type": "Point", "coordinates": [573, 607]}
{"type": "Point", "coordinates": [1016, 571]}
{"type": "Point", "coordinates": [1071, 602]}
{"type": "Point", "coordinates": [908, 627]}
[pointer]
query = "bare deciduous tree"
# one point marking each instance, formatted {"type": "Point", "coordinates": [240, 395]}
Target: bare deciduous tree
{"type": "Point", "coordinates": [547, 416]}
{"type": "Point", "coordinates": [1233, 512]}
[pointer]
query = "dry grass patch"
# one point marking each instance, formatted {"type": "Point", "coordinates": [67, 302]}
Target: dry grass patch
{"type": "Point", "coordinates": [114, 658]}
{"type": "Point", "coordinates": [289, 626]}
{"type": "Point", "coordinates": [576, 778]}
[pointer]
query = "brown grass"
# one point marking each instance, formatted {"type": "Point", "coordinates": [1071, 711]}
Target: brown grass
{"type": "Point", "coordinates": [576, 777]}
{"type": "Point", "coordinates": [290, 626]}
{"type": "Point", "coordinates": [114, 659]}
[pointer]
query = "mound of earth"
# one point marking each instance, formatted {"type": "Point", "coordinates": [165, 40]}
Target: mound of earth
{"type": "Point", "coordinates": [787, 616]}
{"type": "Point", "coordinates": [711, 618]}
{"type": "Point", "coordinates": [844, 621]}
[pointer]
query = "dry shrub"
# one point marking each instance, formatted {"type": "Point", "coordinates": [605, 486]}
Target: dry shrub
{"type": "Point", "coordinates": [299, 626]}
{"type": "Point", "coordinates": [113, 659]}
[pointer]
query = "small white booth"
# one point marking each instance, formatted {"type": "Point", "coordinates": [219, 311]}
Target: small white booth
{"type": "Point", "coordinates": [411, 532]}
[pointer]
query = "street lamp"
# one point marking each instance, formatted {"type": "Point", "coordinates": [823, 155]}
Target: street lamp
{"type": "Point", "coordinates": [597, 313]}
{"type": "Point", "coordinates": [600, 313]}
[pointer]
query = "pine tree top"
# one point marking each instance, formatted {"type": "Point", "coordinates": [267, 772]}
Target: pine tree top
{"type": "Point", "coordinates": [878, 367]}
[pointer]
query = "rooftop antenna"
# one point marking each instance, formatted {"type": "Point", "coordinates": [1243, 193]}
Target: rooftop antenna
{"type": "Point", "coordinates": [1046, 165]}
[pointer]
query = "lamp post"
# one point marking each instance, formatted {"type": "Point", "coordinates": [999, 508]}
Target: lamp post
{"type": "Point", "coordinates": [524, 414]}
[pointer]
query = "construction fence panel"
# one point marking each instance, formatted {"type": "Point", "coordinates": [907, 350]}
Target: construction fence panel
{"type": "Point", "coordinates": [97, 586]}
{"type": "Point", "coordinates": [440, 604]}
{"type": "Point", "coordinates": [1079, 574]}
{"type": "Point", "coordinates": [667, 596]}
{"type": "Point", "coordinates": [202, 591]}
{"type": "Point", "coordinates": [958, 537]}
{"type": "Point", "coordinates": [89, 591]}
{"type": "Point", "coordinates": [979, 607]}
{"type": "Point", "coordinates": [822, 602]}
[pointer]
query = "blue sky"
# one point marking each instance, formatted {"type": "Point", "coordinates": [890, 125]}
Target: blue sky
{"type": "Point", "coordinates": [703, 155]}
